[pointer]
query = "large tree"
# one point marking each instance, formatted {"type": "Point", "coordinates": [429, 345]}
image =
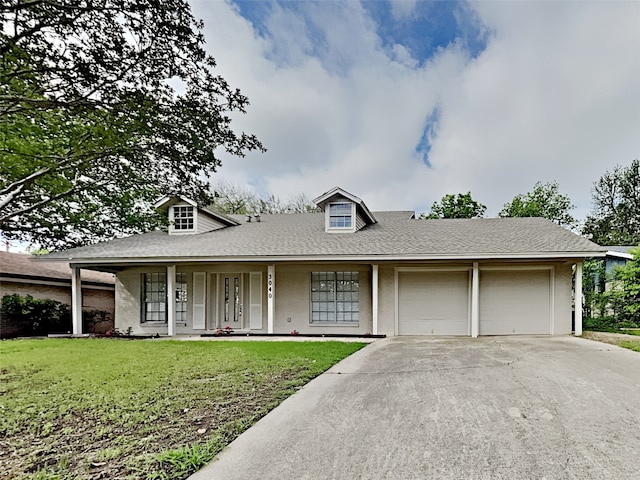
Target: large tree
{"type": "Point", "coordinates": [615, 217]}
{"type": "Point", "coordinates": [546, 201]}
{"type": "Point", "coordinates": [104, 106]}
{"type": "Point", "coordinates": [460, 205]}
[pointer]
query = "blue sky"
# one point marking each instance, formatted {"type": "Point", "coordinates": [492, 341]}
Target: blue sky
{"type": "Point", "coordinates": [402, 102]}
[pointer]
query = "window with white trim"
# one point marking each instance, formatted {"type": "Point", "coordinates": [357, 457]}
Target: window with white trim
{"type": "Point", "coordinates": [155, 297]}
{"type": "Point", "coordinates": [340, 215]}
{"type": "Point", "coordinates": [335, 297]}
{"type": "Point", "coordinates": [183, 218]}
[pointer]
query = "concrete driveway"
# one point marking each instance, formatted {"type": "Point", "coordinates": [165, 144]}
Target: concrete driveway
{"type": "Point", "coordinates": [454, 408]}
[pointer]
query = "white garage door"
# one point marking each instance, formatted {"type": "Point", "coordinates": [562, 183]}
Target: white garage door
{"type": "Point", "coordinates": [433, 303]}
{"type": "Point", "coordinates": [515, 302]}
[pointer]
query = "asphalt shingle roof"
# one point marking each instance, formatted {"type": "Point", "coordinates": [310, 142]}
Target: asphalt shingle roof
{"type": "Point", "coordinates": [396, 235]}
{"type": "Point", "coordinates": [24, 265]}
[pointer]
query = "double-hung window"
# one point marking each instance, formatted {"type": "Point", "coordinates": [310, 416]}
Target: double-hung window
{"type": "Point", "coordinates": [340, 215]}
{"type": "Point", "coordinates": [183, 218]}
{"type": "Point", "coordinates": [335, 297]}
{"type": "Point", "coordinates": [155, 297]}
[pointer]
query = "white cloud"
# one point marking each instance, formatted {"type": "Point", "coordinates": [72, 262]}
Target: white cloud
{"type": "Point", "coordinates": [553, 97]}
{"type": "Point", "coordinates": [403, 8]}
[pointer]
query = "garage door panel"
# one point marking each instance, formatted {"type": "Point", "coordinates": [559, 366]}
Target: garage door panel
{"type": "Point", "coordinates": [430, 326]}
{"type": "Point", "coordinates": [433, 303]}
{"type": "Point", "coordinates": [515, 302]}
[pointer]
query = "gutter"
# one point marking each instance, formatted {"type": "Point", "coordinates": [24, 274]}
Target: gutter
{"type": "Point", "coordinates": [613, 253]}
{"type": "Point", "coordinates": [79, 262]}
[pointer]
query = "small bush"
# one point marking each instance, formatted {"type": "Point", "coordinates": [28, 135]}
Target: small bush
{"type": "Point", "coordinates": [607, 324]}
{"type": "Point", "coordinates": [97, 321]}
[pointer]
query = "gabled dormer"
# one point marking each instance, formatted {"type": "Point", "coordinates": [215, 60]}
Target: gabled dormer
{"type": "Point", "coordinates": [343, 212]}
{"type": "Point", "coordinates": [187, 218]}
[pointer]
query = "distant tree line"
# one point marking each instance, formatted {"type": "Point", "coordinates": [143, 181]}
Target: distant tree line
{"type": "Point", "coordinates": [235, 199]}
{"type": "Point", "coordinates": [614, 219]}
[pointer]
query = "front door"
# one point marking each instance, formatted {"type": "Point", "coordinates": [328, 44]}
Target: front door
{"type": "Point", "coordinates": [231, 294]}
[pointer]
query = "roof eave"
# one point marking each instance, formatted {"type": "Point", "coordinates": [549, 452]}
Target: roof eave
{"type": "Point", "coordinates": [160, 204]}
{"type": "Point", "coordinates": [626, 256]}
{"type": "Point", "coordinates": [228, 221]}
{"type": "Point", "coordinates": [79, 262]}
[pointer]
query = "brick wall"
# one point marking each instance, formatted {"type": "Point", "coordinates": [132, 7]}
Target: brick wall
{"type": "Point", "coordinates": [92, 299]}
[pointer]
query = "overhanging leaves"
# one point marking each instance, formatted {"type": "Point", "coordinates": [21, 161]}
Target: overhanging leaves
{"type": "Point", "coordinates": [92, 128]}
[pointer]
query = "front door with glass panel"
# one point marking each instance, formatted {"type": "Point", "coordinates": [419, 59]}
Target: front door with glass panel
{"type": "Point", "coordinates": [231, 295]}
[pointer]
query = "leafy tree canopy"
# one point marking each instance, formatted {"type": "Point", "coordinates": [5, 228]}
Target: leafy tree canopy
{"type": "Point", "coordinates": [615, 216]}
{"type": "Point", "coordinates": [104, 106]}
{"type": "Point", "coordinates": [460, 205]}
{"type": "Point", "coordinates": [546, 201]}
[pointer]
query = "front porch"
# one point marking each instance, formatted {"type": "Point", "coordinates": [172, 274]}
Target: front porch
{"type": "Point", "coordinates": [204, 299]}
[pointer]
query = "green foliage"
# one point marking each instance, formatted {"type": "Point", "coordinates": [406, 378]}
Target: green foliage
{"type": "Point", "coordinates": [631, 345]}
{"type": "Point", "coordinates": [460, 205]}
{"type": "Point", "coordinates": [626, 289]}
{"type": "Point", "coordinates": [615, 218]}
{"type": "Point", "coordinates": [594, 279]}
{"type": "Point", "coordinates": [141, 409]}
{"type": "Point", "coordinates": [545, 200]}
{"type": "Point", "coordinates": [105, 106]}
{"type": "Point", "coordinates": [612, 301]}
{"type": "Point", "coordinates": [28, 316]}
{"type": "Point", "coordinates": [96, 321]}
{"type": "Point", "coordinates": [610, 323]}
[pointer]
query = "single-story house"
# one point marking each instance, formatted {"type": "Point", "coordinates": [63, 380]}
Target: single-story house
{"type": "Point", "coordinates": [21, 274]}
{"type": "Point", "coordinates": [617, 256]}
{"type": "Point", "coordinates": [345, 270]}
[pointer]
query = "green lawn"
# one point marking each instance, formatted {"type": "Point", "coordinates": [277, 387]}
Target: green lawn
{"type": "Point", "coordinates": [630, 332]}
{"type": "Point", "coordinates": [107, 408]}
{"type": "Point", "coordinates": [625, 340]}
{"type": "Point", "coordinates": [632, 345]}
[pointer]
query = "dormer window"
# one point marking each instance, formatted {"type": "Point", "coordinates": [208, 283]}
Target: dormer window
{"type": "Point", "coordinates": [186, 218]}
{"type": "Point", "coordinates": [340, 215]}
{"type": "Point", "coordinates": [343, 212]}
{"type": "Point", "coordinates": [183, 218]}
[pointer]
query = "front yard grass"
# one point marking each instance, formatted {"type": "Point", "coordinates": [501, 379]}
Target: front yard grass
{"type": "Point", "coordinates": [111, 408]}
{"type": "Point", "coordinates": [632, 345]}
{"type": "Point", "coordinates": [626, 340]}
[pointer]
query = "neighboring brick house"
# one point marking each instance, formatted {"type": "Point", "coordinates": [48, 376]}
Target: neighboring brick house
{"type": "Point", "coordinates": [20, 274]}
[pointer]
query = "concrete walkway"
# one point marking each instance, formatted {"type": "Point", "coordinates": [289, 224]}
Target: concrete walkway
{"type": "Point", "coordinates": [453, 408]}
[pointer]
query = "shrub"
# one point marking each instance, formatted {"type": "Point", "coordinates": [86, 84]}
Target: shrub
{"type": "Point", "coordinates": [612, 301]}
{"type": "Point", "coordinates": [28, 316]}
{"type": "Point", "coordinates": [97, 321]}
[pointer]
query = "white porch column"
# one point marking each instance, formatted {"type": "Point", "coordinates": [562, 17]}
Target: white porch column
{"type": "Point", "coordinates": [578, 300]}
{"type": "Point", "coordinates": [271, 296]}
{"type": "Point", "coordinates": [171, 300]}
{"type": "Point", "coordinates": [76, 301]}
{"type": "Point", "coordinates": [475, 300]}
{"type": "Point", "coordinates": [374, 298]}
